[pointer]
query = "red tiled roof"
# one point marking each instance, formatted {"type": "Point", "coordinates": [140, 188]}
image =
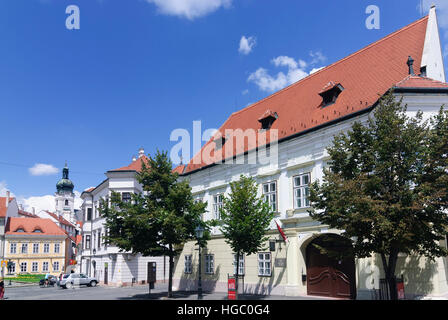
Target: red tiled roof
{"type": "Point", "coordinates": [134, 165]}
{"type": "Point", "coordinates": [3, 207]}
{"type": "Point", "coordinates": [413, 81]}
{"type": "Point", "coordinates": [365, 76]}
{"type": "Point", "coordinates": [27, 214]}
{"type": "Point", "coordinates": [60, 219]}
{"type": "Point", "coordinates": [47, 226]}
{"type": "Point", "coordinates": [179, 169]}
{"type": "Point", "coordinates": [90, 189]}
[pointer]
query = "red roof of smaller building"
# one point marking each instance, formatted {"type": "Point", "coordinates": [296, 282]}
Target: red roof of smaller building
{"type": "Point", "coordinates": [3, 207]}
{"type": "Point", "coordinates": [60, 219]}
{"type": "Point", "coordinates": [27, 214]}
{"type": "Point", "coordinates": [414, 81]}
{"type": "Point", "coordinates": [134, 165]}
{"type": "Point", "coordinates": [29, 225]}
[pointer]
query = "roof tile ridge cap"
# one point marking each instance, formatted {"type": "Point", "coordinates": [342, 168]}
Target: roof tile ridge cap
{"type": "Point", "coordinates": [335, 63]}
{"type": "Point", "coordinates": [403, 80]}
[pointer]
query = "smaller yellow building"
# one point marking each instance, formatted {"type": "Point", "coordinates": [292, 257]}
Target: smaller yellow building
{"type": "Point", "coordinates": [35, 246]}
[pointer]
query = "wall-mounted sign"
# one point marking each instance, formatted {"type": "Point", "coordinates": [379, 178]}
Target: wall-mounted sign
{"type": "Point", "coordinates": [280, 262]}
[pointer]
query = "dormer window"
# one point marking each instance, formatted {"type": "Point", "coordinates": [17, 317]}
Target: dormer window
{"type": "Point", "coordinates": [330, 93]}
{"type": "Point", "coordinates": [219, 142]}
{"type": "Point", "coordinates": [20, 230]}
{"type": "Point", "coordinates": [267, 119]}
{"type": "Point", "coordinates": [37, 230]}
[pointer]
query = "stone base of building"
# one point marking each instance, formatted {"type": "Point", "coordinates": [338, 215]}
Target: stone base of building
{"type": "Point", "coordinates": [219, 286]}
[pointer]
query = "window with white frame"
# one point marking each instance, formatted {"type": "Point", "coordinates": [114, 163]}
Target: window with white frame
{"type": "Point", "coordinates": [56, 266]}
{"type": "Point", "coordinates": [45, 266]}
{"type": "Point", "coordinates": [217, 205]}
{"type": "Point", "coordinates": [241, 264]}
{"type": "Point", "coordinates": [57, 247]}
{"type": "Point", "coordinates": [35, 248]}
{"type": "Point", "coordinates": [24, 248]}
{"type": "Point", "coordinates": [264, 264]}
{"type": "Point", "coordinates": [46, 247]}
{"type": "Point", "coordinates": [34, 267]}
{"type": "Point", "coordinates": [270, 194]}
{"type": "Point", "coordinates": [302, 191]}
{"type": "Point", "coordinates": [126, 197]}
{"type": "Point", "coordinates": [188, 263]}
{"type": "Point", "coordinates": [13, 248]}
{"type": "Point", "coordinates": [209, 263]}
{"type": "Point", "coordinates": [23, 267]}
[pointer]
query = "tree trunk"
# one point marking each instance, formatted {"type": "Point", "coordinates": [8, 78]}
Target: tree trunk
{"type": "Point", "coordinates": [237, 273]}
{"type": "Point", "coordinates": [170, 272]}
{"type": "Point", "coordinates": [389, 271]}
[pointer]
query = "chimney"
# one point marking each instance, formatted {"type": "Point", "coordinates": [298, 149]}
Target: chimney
{"type": "Point", "coordinates": [7, 198]}
{"type": "Point", "coordinates": [134, 158]}
{"type": "Point", "coordinates": [34, 211]}
{"type": "Point", "coordinates": [410, 64]}
{"type": "Point", "coordinates": [21, 207]}
{"type": "Point", "coordinates": [141, 152]}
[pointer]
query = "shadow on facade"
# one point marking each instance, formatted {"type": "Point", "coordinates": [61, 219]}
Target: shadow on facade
{"type": "Point", "coordinates": [418, 274]}
{"type": "Point", "coordinates": [266, 285]}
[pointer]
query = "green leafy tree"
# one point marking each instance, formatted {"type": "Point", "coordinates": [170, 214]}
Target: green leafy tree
{"type": "Point", "coordinates": [245, 219]}
{"type": "Point", "coordinates": [158, 221]}
{"type": "Point", "coordinates": [386, 186]}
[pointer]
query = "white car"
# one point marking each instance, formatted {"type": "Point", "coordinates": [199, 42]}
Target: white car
{"type": "Point", "coordinates": [76, 279]}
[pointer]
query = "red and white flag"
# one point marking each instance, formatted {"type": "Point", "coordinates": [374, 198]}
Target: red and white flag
{"type": "Point", "coordinates": [281, 232]}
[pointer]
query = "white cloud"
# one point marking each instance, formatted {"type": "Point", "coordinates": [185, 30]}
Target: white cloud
{"type": "Point", "coordinates": [189, 9]}
{"type": "Point", "coordinates": [39, 203]}
{"type": "Point", "coordinates": [296, 71]}
{"type": "Point", "coordinates": [3, 189]}
{"type": "Point", "coordinates": [244, 92]}
{"type": "Point", "coordinates": [45, 202]}
{"type": "Point", "coordinates": [314, 70]}
{"type": "Point", "coordinates": [317, 57]}
{"type": "Point", "coordinates": [41, 169]}
{"type": "Point", "coordinates": [246, 45]}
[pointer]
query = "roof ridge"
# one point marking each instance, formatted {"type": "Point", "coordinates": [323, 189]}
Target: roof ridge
{"type": "Point", "coordinates": [334, 64]}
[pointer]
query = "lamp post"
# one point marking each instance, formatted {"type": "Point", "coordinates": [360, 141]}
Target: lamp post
{"type": "Point", "coordinates": [199, 233]}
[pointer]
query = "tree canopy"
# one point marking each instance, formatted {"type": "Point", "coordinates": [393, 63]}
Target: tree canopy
{"type": "Point", "coordinates": [386, 184]}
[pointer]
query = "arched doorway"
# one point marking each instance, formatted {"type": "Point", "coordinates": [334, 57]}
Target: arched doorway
{"type": "Point", "coordinates": [330, 272]}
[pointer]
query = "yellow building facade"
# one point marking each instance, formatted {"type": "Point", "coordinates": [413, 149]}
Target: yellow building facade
{"type": "Point", "coordinates": [35, 246]}
{"type": "Point", "coordinates": [36, 255]}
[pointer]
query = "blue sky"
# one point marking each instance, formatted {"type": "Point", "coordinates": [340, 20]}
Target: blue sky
{"type": "Point", "coordinates": [138, 69]}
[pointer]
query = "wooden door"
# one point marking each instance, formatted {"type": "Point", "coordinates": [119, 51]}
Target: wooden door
{"type": "Point", "coordinates": [328, 274]}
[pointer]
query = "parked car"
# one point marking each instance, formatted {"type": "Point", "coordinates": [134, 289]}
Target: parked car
{"type": "Point", "coordinates": [76, 279]}
{"type": "Point", "coordinates": [52, 280]}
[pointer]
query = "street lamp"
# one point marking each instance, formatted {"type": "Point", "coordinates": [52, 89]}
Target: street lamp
{"type": "Point", "coordinates": [199, 233]}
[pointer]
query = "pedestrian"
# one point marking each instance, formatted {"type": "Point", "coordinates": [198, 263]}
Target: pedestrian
{"type": "Point", "coordinates": [2, 289]}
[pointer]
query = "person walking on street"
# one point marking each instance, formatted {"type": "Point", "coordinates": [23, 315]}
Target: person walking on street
{"type": "Point", "coordinates": [2, 289]}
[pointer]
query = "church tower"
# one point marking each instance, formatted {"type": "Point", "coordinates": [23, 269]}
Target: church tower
{"type": "Point", "coordinates": [65, 198]}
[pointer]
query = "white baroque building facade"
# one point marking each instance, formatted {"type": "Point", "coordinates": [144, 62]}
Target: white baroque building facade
{"type": "Point", "coordinates": [307, 115]}
{"type": "Point", "coordinates": [105, 262]}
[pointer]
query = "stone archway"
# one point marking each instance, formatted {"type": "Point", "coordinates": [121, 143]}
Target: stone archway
{"type": "Point", "coordinates": [329, 272]}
